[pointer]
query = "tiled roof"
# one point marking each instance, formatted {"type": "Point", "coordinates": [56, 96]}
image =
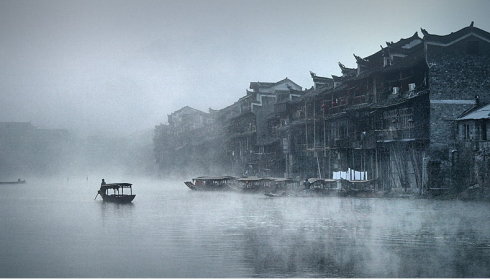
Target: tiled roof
{"type": "Point", "coordinates": [481, 113]}
{"type": "Point", "coordinates": [260, 84]}
{"type": "Point", "coordinates": [403, 42]}
{"type": "Point", "coordinates": [445, 39]}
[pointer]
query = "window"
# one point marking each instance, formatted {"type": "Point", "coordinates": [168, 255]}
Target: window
{"type": "Point", "coordinates": [411, 87]}
{"type": "Point", "coordinates": [466, 131]}
{"type": "Point", "coordinates": [342, 132]}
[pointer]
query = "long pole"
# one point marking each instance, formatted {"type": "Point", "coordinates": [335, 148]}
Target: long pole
{"type": "Point", "coordinates": [324, 140]}
{"type": "Point", "coordinates": [306, 125]}
{"type": "Point", "coordinates": [318, 164]}
{"type": "Point", "coordinates": [314, 124]}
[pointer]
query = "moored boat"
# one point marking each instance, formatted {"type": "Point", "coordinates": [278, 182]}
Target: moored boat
{"type": "Point", "coordinates": [210, 183]}
{"type": "Point", "coordinates": [117, 194]}
{"type": "Point", "coordinates": [19, 181]}
{"type": "Point", "coordinates": [253, 184]}
{"type": "Point", "coordinates": [358, 188]}
{"type": "Point", "coordinates": [323, 186]}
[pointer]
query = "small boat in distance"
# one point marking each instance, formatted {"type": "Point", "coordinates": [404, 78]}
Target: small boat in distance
{"type": "Point", "coordinates": [19, 181]}
{"type": "Point", "coordinates": [210, 183]}
{"type": "Point", "coordinates": [117, 194]}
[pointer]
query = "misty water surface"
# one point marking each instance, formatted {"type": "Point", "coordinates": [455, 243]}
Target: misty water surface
{"type": "Point", "coordinates": [55, 229]}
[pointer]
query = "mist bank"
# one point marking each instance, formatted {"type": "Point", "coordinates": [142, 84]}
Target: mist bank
{"type": "Point", "coordinates": [27, 151]}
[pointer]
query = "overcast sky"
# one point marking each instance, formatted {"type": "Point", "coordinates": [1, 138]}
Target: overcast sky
{"type": "Point", "coordinates": [122, 66]}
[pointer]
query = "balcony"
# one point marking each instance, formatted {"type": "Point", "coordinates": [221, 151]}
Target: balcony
{"type": "Point", "coordinates": [395, 135]}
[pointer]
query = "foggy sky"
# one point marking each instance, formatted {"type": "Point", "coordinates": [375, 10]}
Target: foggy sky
{"type": "Point", "coordinates": [122, 66]}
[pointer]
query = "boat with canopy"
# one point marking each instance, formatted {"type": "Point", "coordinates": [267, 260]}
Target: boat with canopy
{"type": "Point", "coordinates": [114, 192]}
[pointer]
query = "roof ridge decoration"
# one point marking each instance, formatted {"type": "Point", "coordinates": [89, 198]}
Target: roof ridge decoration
{"type": "Point", "coordinates": [416, 35]}
{"type": "Point", "coordinates": [358, 58]}
{"type": "Point", "coordinates": [361, 61]}
{"type": "Point", "coordinates": [347, 72]}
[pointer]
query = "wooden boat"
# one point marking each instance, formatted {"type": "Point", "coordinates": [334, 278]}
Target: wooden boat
{"type": "Point", "coordinates": [19, 181]}
{"type": "Point", "coordinates": [285, 183]}
{"type": "Point", "coordinates": [210, 183]}
{"type": "Point", "coordinates": [253, 184]}
{"type": "Point", "coordinates": [280, 186]}
{"type": "Point", "coordinates": [322, 186]}
{"type": "Point", "coordinates": [358, 188]}
{"type": "Point", "coordinates": [117, 194]}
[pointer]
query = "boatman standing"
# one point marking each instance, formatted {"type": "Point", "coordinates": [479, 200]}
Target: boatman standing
{"type": "Point", "coordinates": [103, 182]}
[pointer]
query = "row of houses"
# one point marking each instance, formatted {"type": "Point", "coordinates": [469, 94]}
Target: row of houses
{"type": "Point", "coordinates": [413, 116]}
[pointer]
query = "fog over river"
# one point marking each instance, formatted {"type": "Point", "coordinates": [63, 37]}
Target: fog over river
{"type": "Point", "coordinates": [55, 228]}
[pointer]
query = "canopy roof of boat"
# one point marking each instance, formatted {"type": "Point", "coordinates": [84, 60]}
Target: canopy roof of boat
{"type": "Point", "coordinates": [115, 185]}
{"type": "Point", "coordinates": [281, 179]}
{"type": "Point", "coordinates": [313, 180]}
{"type": "Point", "coordinates": [254, 178]}
{"type": "Point", "coordinates": [214, 178]}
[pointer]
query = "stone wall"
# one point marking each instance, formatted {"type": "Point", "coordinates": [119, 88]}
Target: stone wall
{"type": "Point", "coordinates": [443, 129]}
{"type": "Point", "coordinates": [455, 78]}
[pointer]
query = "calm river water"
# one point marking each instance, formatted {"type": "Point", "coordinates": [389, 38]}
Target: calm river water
{"type": "Point", "coordinates": [56, 229]}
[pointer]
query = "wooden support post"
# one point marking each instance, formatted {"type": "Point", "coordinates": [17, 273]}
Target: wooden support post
{"type": "Point", "coordinates": [318, 164]}
{"type": "Point", "coordinates": [306, 125]}
{"type": "Point", "coordinates": [314, 124]}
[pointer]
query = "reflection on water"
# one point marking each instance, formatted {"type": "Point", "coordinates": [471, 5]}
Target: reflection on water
{"type": "Point", "coordinates": [52, 230]}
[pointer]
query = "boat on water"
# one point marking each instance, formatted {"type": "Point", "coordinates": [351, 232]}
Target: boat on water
{"type": "Point", "coordinates": [322, 186]}
{"type": "Point", "coordinates": [210, 183]}
{"type": "Point", "coordinates": [117, 194]}
{"type": "Point", "coordinates": [253, 184]}
{"type": "Point", "coordinates": [358, 188]}
{"type": "Point", "coordinates": [19, 181]}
